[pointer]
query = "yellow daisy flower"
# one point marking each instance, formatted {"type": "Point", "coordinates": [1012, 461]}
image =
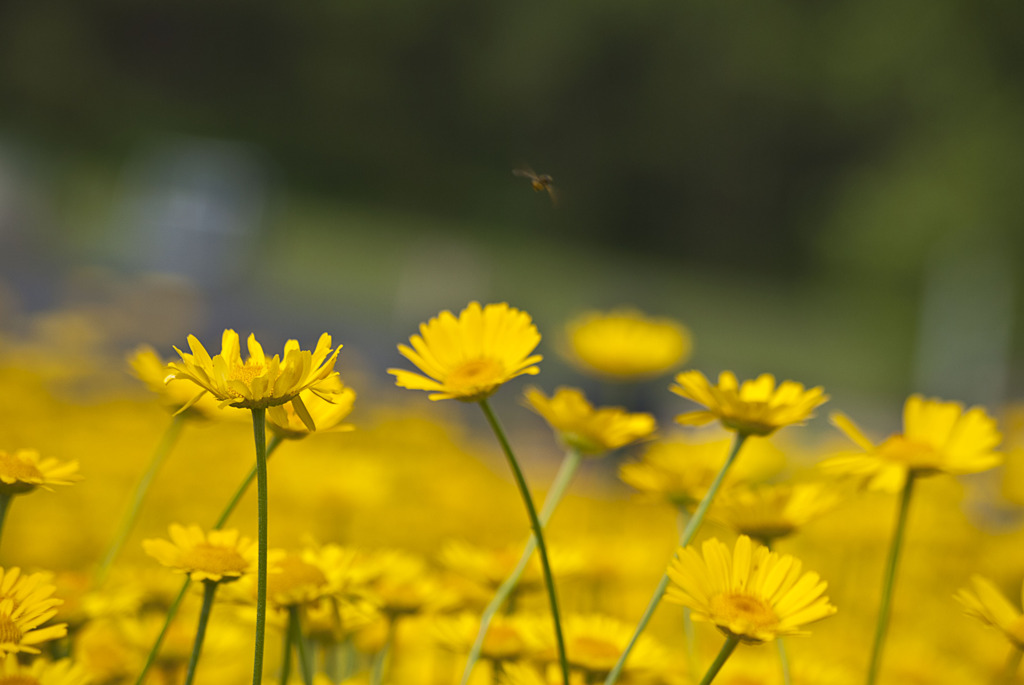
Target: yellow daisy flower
{"type": "Point", "coordinates": [750, 593]}
{"type": "Point", "coordinates": [25, 604]}
{"type": "Point", "coordinates": [42, 672]}
{"type": "Point", "coordinates": [938, 437]}
{"type": "Point", "coordinates": [770, 511]}
{"type": "Point", "coordinates": [24, 470]}
{"type": "Point", "coordinates": [217, 556]}
{"type": "Point", "coordinates": [586, 429]}
{"type": "Point", "coordinates": [986, 603]}
{"type": "Point", "coordinates": [258, 382]}
{"type": "Point", "coordinates": [151, 369]}
{"type": "Point", "coordinates": [594, 642]}
{"type": "Point", "coordinates": [327, 415]}
{"type": "Point", "coordinates": [626, 344]}
{"type": "Point", "coordinates": [469, 357]}
{"type": "Point", "coordinates": [509, 638]}
{"type": "Point", "coordinates": [755, 407]}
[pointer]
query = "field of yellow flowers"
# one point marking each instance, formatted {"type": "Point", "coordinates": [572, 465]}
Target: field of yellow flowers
{"type": "Point", "coordinates": [221, 513]}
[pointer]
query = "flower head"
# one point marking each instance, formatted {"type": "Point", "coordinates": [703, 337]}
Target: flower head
{"type": "Point", "coordinates": [755, 407]}
{"type": "Point", "coordinates": [770, 511]}
{"type": "Point", "coordinates": [750, 593]}
{"type": "Point", "coordinates": [508, 638]}
{"type": "Point", "coordinates": [986, 603]}
{"type": "Point", "coordinates": [469, 357]}
{"type": "Point", "coordinates": [625, 344]}
{"type": "Point", "coordinates": [218, 556]}
{"type": "Point", "coordinates": [26, 603]}
{"type": "Point", "coordinates": [284, 421]}
{"type": "Point", "coordinates": [586, 429]}
{"type": "Point", "coordinates": [259, 381]}
{"type": "Point", "coordinates": [24, 470]}
{"type": "Point", "coordinates": [594, 642]}
{"type": "Point", "coordinates": [42, 672]}
{"type": "Point", "coordinates": [938, 437]}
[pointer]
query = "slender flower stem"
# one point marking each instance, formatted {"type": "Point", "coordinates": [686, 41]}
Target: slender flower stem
{"type": "Point", "coordinates": [163, 449]}
{"type": "Point", "coordinates": [295, 628]}
{"type": "Point", "coordinates": [692, 526]}
{"type": "Point", "coordinates": [171, 611]}
{"type": "Point", "coordinates": [787, 679]}
{"type": "Point", "coordinates": [209, 589]}
{"type": "Point", "coordinates": [885, 606]}
{"type": "Point", "coordinates": [689, 634]}
{"type": "Point", "coordinates": [286, 653]}
{"type": "Point", "coordinates": [5, 503]}
{"type": "Point", "coordinates": [538, 533]}
{"type": "Point", "coordinates": [566, 472]}
{"type": "Point", "coordinates": [716, 666]}
{"type": "Point", "coordinates": [377, 674]}
{"type": "Point", "coordinates": [259, 429]}
{"type": "Point", "coordinates": [1009, 674]}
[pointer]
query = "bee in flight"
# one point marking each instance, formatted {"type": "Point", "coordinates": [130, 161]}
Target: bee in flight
{"type": "Point", "coordinates": [540, 182]}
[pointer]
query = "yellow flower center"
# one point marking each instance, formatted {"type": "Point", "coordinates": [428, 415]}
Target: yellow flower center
{"type": "Point", "coordinates": [10, 634]}
{"type": "Point", "coordinates": [18, 680]}
{"type": "Point", "coordinates": [15, 469]}
{"type": "Point", "coordinates": [593, 653]}
{"type": "Point", "coordinates": [503, 642]}
{"type": "Point", "coordinates": [475, 375]}
{"type": "Point", "coordinates": [294, 580]}
{"type": "Point", "coordinates": [743, 615]}
{"type": "Point", "coordinates": [212, 559]}
{"type": "Point", "coordinates": [916, 456]}
{"type": "Point", "coordinates": [248, 372]}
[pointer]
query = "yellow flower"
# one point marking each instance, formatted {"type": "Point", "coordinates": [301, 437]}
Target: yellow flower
{"type": "Point", "coordinates": [986, 603]}
{"type": "Point", "coordinates": [469, 357]}
{"type": "Point", "coordinates": [750, 593]}
{"type": "Point", "coordinates": [326, 415]}
{"type": "Point", "coordinates": [259, 381]}
{"type": "Point", "coordinates": [586, 429]}
{"type": "Point", "coordinates": [24, 470]}
{"type": "Point", "coordinates": [756, 407]}
{"type": "Point", "coordinates": [769, 511]}
{"type": "Point", "coordinates": [509, 638]}
{"type": "Point", "coordinates": [594, 642]}
{"type": "Point", "coordinates": [938, 437]}
{"type": "Point", "coordinates": [42, 672]}
{"type": "Point", "coordinates": [217, 556]}
{"type": "Point", "coordinates": [627, 345]}
{"type": "Point", "coordinates": [25, 604]}
{"type": "Point", "coordinates": [681, 472]}
{"type": "Point", "coordinates": [151, 369]}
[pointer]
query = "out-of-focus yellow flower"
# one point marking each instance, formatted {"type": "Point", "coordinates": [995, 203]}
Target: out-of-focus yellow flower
{"type": "Point", "coordinates": [626, 344]}
{"type": "Point", "coordinates": [760, 667]}
{"type": "Point", "coordinates": [527, 674]}
{"type": "Point", "coordinates": [750, 593]}
{"type": "Point", "coordinates": [487, 567]}
{"type": "Point", "coordinates": [258, 382]}
{"type": "Point", "coordinates": [217, 556]}
{"type": "Point", "coordinates": [986, 603]}
{"type": "Point", "coordinates": [938, 437]}
{"type": "Point", "coordinates": [399, 583]}
{"type": "Point", "coordinates": [582, 427]}
{"type": "Point", "coordinates": [769, 511]}
{"type": "Point", "coordinates": [24, 470]}
{"type": "Point", "coordinates": [151, 369]}
{"type": "Point", "coordinates": [681, 472]}
{"type": "Point", "coordinates": [755, 407]}
{"type": "Point", "coordinates": [26, 603]}
{"type": "Point", "coordinates": [468, 358]}
{"type": "Point", "coordinates": [509, 638]}
{"type": "Point", "coordinates": [283, 420]}
{"type": "Point", "coordinates": [42, 672]}
{"type": "Point", "coordinates": [594, 642]}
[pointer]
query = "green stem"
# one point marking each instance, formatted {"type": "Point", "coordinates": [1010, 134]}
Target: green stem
{"type": "Point", "coordinates": [538, 533]}
{"type": "Point", "coordinates": [295, 627]}
{"type": "Point", "coordinates": [244, 487]}
{"type": "Point", "coordinates": [723, 655]}
{"type": "Point", "coordinates": [259, 429]}
{"type": "Point", "coordinates": [160, 454]}
{"type": "Point", "coordinates": [692, 526]}
{"type": "Point", "coordinates": [885, 606]}
{"type": "Point", "coordinates": [787, 679]}
{"type": "Point", "coordinates": [566, 472]}
{"type": "Point", "coordinates": [689, 634]}
{"type": "Point", "coordinates": [5, 503]}
{"type": "Point", "coordinates": [209, 589]}
{"type": "Point", "coordinates": [171, 612]}
{"type": "Point", "coordinates": [286, 653]}
{"type": "Point", "coordinates": [377, 674]}
{"type": "Point", "coordinates": [1012, 666]}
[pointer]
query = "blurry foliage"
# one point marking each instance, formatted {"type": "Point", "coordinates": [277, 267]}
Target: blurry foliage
{"type": "Point", "coordinates": [767, 135]}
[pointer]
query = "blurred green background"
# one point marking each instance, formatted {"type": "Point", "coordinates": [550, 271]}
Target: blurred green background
{"type": "Point", "coordinates": [826, 191]}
